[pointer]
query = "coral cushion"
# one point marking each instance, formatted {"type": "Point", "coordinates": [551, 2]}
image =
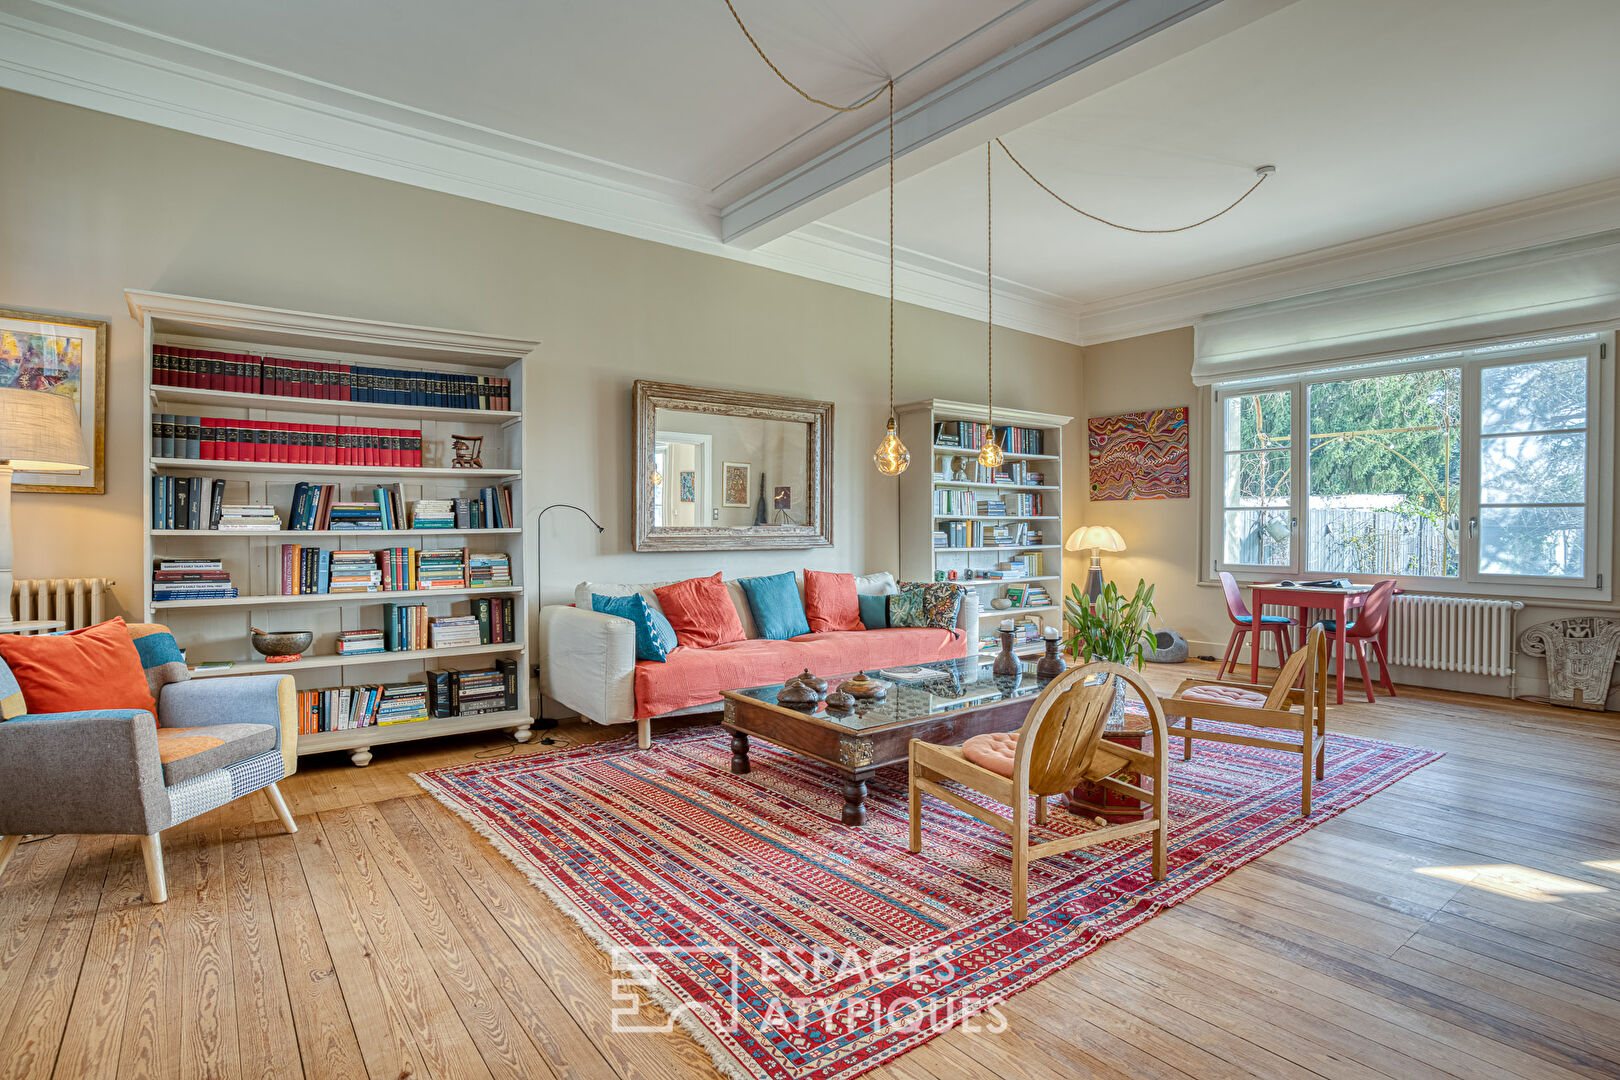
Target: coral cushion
{"type": "Point", "coordinates": [701, 612]}
{"type": "Point", "coordinates": [994, 751]}
{"type": "Point", "coordinates": [93, 668]}
{"type": "Point", "coordinates": [1226, 695]}
{"type": "Point", "coordinates": [693, 677]}
{"type": "Point", "coordinates": [830, 602]}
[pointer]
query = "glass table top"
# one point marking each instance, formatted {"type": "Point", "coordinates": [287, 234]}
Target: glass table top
{"type": "Point", "coordinates": [932, 689]}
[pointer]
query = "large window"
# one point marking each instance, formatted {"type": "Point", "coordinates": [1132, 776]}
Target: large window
{"type": "Point", "coordinates": [1469, 466]}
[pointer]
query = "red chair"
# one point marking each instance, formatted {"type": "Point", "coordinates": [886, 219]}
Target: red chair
{"type": "Point", "coordinates": [1364, 631]}
{"type": "Point", "coordinates": [1243, 622]}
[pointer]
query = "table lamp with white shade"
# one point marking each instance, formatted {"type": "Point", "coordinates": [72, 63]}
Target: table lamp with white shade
{"type": "Point", "coordinates": [1098, 538]}
{"type": "Point", "coordinates": [39, 432]}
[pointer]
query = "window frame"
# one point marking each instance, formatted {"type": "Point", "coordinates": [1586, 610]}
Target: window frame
{"type": "Point", "coordinates": [1473, 359]}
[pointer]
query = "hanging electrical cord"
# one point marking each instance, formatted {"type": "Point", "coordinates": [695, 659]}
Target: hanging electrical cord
{"type": "Point", "coordinates": [873, 96]}
{"type": "Point", "coordinates": [1264, 172]}
{"type": "Point", "coordinates": [990, 454]}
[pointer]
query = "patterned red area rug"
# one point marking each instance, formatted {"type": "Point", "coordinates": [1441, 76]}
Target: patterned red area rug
{"type": "Point", "coordinates": [793, 946]}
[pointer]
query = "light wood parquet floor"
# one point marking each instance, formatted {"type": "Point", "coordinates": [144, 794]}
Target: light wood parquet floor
{"type": "Point", "coordinates": [387, 940]}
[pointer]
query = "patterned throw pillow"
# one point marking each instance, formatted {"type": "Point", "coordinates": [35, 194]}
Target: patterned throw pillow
{"type": "Point", "coordinates": [926, 604]}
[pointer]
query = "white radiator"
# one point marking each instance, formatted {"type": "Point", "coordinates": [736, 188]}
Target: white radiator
{"type": "Point", "coordinates": [75, 601]}
{"type": "Point", "coordinates": [1441, 633]}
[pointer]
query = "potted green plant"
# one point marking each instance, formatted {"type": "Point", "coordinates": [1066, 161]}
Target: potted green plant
{"type": "Point", "coordinates": [1112, 627]}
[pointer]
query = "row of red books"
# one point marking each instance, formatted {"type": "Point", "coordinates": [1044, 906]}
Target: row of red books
{"type": "Point", "coordinates": [282, 442]}
{"type": "Point", "coordinates": [244, 373]}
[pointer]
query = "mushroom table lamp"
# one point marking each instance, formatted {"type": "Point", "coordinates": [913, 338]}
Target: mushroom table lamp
{"type": "Point", "coordinates": [39, 432]}
{"type": "Point", "coordinates": [1098, 538]}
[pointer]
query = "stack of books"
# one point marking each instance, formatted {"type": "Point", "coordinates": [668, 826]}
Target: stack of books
{"type": "Point", "coordinates": [455, 631]}
{"type": "Point", "coordinates": [191, 579]}
{"type": "Point", "coordinates": [441, 569]}
{"type": "Point", "coordinates": [211, 438]}
{"type": "Point", "coordinates": [496, 619]}
{"type": "Point", "coordinates": [359, 642]}
{"type": "Point", "coordinates": [355, 517]}
{"type": "Point", "coordinates": [186, 502]}
{"type": "Point", "coordinates": [398, 568]}
{"type": "Point", "coordinates": [402, 703]}
{"type": "Point", "coordinates": [488, 569]}
{"type": "Point", "coordinates": [962, 503]}
{"type": "Point", "coordinates": [472, 693]}
{"type": "Point", "coordinates": [241, 373]}
{"type": "Point", "coordinates": [492, 509]}
{"type": "Point", "coordinates": [353, 571]}
{"type": "Point", "coordinates": [433, 514]}
{"type": "Point", "coordinates": [337, 708]}
{"type": "Point", "coordinates": [305, 571]}
{"type": "Point", "coordinates": [405, 627]}
{"type": "Point", "coordinates": [234, 517]}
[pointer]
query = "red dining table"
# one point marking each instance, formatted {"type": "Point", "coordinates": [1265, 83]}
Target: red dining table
{"type": "Point", "coordinates": [1305, 597]}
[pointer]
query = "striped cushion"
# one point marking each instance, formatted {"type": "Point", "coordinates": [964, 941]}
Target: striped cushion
{"type": "Point", "coordinates": [161, 657]}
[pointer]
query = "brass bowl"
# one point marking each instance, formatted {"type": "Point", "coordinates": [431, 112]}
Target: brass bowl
{"type": "Point", "coordinates": [281, 642]}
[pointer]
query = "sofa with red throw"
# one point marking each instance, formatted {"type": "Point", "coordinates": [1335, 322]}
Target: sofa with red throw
{"type": "Point", "coordinates": [589, 662]}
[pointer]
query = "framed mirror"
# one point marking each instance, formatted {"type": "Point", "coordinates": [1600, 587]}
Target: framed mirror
{"type": "Point", "coordinates": [726, 470]}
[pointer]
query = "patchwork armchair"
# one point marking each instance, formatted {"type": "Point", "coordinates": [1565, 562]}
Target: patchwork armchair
{"type": "Point", "coordinates": [126, 771]}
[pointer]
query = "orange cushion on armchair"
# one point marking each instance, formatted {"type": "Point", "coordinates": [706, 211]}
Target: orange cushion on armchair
{"type": "Point", "coordinates": [94, 668]}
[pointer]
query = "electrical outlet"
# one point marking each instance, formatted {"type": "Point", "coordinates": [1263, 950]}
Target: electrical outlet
{"type": "Point", "coordinates": [716, 514]}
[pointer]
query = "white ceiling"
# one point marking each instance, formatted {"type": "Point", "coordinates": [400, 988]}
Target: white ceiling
{"type": "Point", "coordinates": [1381, 115]}
{"type": "Point", "coordinates": [1404, 134]}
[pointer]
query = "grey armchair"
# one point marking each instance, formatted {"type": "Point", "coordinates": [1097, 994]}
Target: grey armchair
{"type": "Point", "coordinates": [124, 771]}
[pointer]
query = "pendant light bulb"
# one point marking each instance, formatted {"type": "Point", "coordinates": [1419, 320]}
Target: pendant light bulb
{"type": "Point", "coordinates": [990, 455]}
{"type": "Point", "coordinates": [891, 455]}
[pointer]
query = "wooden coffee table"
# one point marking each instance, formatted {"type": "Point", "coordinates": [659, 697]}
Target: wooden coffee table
{"type": "Point", "coordinates": [964, 700]}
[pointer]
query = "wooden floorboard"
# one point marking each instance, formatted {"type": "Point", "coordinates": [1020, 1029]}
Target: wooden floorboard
{"type": "Point", "coordinates": [388, 940]}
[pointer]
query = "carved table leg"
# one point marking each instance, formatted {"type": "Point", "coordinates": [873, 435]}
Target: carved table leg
{"type": "Point", "coordinates": [739, 754]}
{"type": "Point", "coordinates": [854, 800]}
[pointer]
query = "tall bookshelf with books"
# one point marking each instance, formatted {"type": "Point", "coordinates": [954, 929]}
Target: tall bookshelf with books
{"type": "Point", "coordinates": [998, 532]}
{"type": "Point", "coordinates": [359, 480]}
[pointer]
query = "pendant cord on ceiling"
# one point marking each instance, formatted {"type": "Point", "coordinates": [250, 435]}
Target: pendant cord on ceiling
{"type": "Point", "coordinates": [873, 96]}
{"type": "Point", "coordinates": [891, 248]}
{"type": "Point", "coordinates": [1264, 172]}
{"type": "Point", "coordinates": [989, 300]}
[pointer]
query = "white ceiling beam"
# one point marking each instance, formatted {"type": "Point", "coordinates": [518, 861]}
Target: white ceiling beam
{"type": "Point", "coordinates": [958, 115]}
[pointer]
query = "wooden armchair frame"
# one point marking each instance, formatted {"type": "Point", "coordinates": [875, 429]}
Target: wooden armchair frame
{"type": "Point", "coordinates": [1297, 701]}
{"type": "Point", "coordinates": [1059, 745]}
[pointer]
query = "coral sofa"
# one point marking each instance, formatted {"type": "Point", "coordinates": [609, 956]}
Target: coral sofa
{"type": "Point", "coordinates": [588, 659]}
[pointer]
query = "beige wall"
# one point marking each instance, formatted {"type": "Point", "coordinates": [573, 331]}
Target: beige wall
{"type": "Point", "coordinates": [91, 204]}
{"type": "Point", "coordinates": [1163, 538]}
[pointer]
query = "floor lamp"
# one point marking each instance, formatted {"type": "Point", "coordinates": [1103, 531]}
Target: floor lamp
{"type": "Point", "coordinates": [1098, 538]}
{"type": "Point", "coordinates": [540, 565]}
{"type": "Point", "coordinates": [39, 432]}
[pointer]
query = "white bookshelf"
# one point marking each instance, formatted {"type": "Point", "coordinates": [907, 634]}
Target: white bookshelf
{"type": "Point", "coordinates": [921, 515]}
{"type": "Point", "coordinates": [217, 630]}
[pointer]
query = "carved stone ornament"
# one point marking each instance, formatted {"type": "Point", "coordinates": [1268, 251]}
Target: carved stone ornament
{"type": "Point", "coordinates": [1580, 656]}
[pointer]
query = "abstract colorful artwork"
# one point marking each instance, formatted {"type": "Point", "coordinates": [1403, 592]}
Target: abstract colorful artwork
{"type": "Point", "coordinates": [688, 485]}
{"type": "Point", "coordinates": [1140, 455]}
{"type": "Point", "coordinates": [56, 354]}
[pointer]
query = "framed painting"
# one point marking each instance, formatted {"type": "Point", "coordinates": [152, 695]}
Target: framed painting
{"type": "Point", "coordinates": [1140, 455]}
{"type": "Point", "coordinates": [64, 355]}
{"type": "Point", "coordinates": [688, 485]}
{"type": "Point", "coordinates": [736, 478]}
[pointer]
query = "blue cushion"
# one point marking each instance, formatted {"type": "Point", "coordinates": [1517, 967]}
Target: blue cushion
{"type": "Point", "coordinates": [1282, 620]}
{"type": "Point", "coordinates": [1332, 625]}
{"type": "Point", "coordinates": [655, 638]}
{"type": "Point", "coordinates": [778, 609]}
{"type": "Point", "coordinates": [874, 612]}
{"type": "Point", "coordinates": [11, 697]}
